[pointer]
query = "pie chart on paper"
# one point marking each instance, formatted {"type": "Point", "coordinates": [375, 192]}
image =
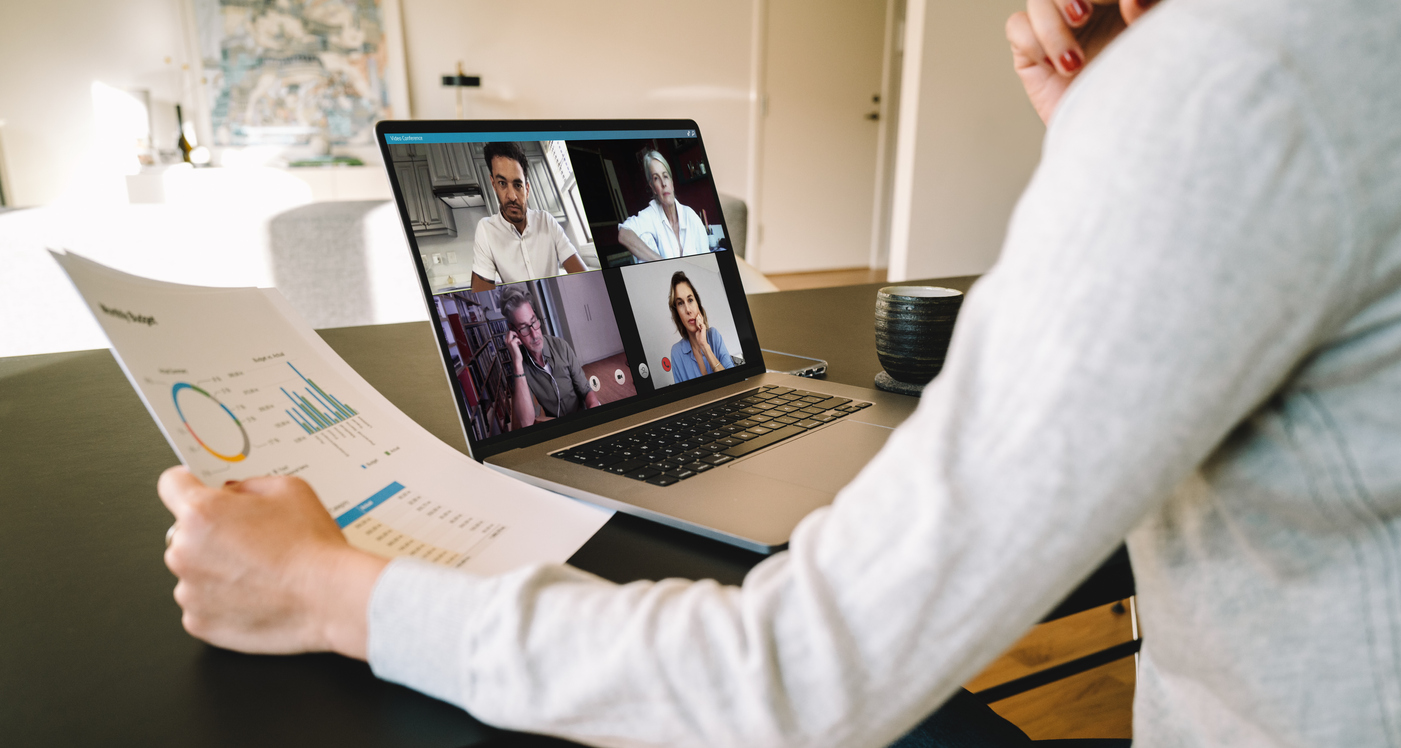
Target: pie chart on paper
{"type": "Point", "coordinates": [210, 422]}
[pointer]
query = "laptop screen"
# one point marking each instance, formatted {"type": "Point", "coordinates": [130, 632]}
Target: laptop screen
{"type": "Point", "coordinates": [576, 271]}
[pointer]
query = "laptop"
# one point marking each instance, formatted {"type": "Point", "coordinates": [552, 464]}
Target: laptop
{"type": "Point", "coordinates": [587, 302]}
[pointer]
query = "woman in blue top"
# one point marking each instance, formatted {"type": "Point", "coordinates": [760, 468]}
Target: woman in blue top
{"type": "Point", "coordinates": [701, 349]}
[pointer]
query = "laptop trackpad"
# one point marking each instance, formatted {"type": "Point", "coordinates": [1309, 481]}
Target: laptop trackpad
{"type": "Point", "coordinates": [825, 460]}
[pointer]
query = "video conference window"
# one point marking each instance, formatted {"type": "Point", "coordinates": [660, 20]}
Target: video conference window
{"type": "Point", "coordinates": [527, 353]}
{"type": "Point", "coordinates": [495, 212]}
{"type": "Point", "coordinates": [648, 199]}
{"type": "Point", "coordinates": [683, 318]}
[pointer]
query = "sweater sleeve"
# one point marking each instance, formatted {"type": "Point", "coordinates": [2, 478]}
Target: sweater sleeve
{"type": "Point", "coordinates": [1182, 246]}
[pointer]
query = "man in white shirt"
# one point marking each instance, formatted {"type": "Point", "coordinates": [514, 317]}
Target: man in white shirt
{"type": "Point", "coordinates": [518, 243]}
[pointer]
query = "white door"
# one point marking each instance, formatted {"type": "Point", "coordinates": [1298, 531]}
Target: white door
{"type": "Point", "coordinates": [818, 167]}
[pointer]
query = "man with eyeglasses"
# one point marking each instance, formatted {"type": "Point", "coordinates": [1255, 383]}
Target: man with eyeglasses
{"type": "Point", "coordinates": [549, 382]}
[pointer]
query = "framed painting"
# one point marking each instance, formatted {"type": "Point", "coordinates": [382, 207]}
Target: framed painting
{"type": "Point", "coordinates": [299, 73]}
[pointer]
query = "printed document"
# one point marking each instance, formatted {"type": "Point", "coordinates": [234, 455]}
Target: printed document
{"type": "Point", "coordinates": [241, 386]}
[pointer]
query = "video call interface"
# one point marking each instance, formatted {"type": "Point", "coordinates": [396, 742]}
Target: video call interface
{"type": "Point", "coordinates": [595, 268]}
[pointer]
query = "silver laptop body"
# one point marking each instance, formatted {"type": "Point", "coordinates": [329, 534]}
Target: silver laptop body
{"type": "Point", "coordinates": [621, 326]}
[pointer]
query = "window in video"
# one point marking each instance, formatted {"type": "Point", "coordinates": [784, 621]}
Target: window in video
{"type": "Point", "coordinates": [503, 211]}
{"type": "Point", "coordinates": [683, 318]}
{"type": "Point", "coordinates": [530, 352]}
{"type": "Point", "coordinates": [647, 200]}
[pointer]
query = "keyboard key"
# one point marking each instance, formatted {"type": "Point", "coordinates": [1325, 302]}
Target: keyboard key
{"type": "Point", "coordinates": [626, 466]}
{"type": "Point", "coordinates": [662, 480]}
{"type": "Point", "coordinates": [644, 473]}
{"type": "Point", "coordinates": [718, 459]}
{"type": "Point", "coordinates": [786, 409]}
{"type": "Point", "coordinates": [832, 402]}
{"type": "Point", "coordinates": [679, 474]}
{"type": "Point", "coordinates": [824, 418]}
{"type": "Point", "coordinates": [698, 467]}
{"type": "Point", "coordinates": [751, 411]}
{"type": "Point", "coordinates": [745, 435]}
{"type": "Point", "coordinates": [743, 424]}
{"type": "Point", "coordinates": [728, 441]}
{"type": "Point", "coordinates": [785, 420]}
{"type": "Point", "coordinates": [759, 431]}
{"type": "Point", "coordinates": [860, 404]}
{"type": "Point", "coordinates": [758, 443]}
{"type": "Point", "coordinates": [808, 424]}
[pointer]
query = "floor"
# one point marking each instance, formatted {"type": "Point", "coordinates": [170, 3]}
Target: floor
{"type": "Point", "coordinates": [1097, 703]}
{"type": "Point", "coordinates": [609, 388]}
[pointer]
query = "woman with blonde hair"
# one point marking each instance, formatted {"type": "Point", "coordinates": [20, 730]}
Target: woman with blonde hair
{"type": "Point", "coordinates": [665, 229]}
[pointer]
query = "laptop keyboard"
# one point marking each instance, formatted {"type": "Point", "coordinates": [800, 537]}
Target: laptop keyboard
{"type": "Point", "coordinates": [688, 444]}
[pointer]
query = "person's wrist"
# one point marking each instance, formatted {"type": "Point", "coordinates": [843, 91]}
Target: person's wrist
{"type": "Point", "coordinates": [341, 581]}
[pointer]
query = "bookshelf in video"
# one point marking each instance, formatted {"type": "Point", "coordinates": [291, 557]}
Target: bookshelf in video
{"type": "Point", "coordinates": [582, 269]}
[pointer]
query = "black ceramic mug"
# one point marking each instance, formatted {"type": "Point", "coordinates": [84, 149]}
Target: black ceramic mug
{"type": "Point", "coordinates": [913, 327]}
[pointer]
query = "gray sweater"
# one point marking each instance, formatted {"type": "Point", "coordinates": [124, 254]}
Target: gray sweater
{"type": "Point", "coordinates": [1192, 338]}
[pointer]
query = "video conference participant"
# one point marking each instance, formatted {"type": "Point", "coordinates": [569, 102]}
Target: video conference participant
{"type": "Point", "coordinates": [546, 379]}
{"type": "Point", "coordinates": [518, 243]}
{"type": "Point", "coordinates": [701, 349]}
{"type": "Point", "coordinates": [665, 229]}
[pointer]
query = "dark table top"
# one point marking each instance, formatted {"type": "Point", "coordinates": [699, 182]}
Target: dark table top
{"type": "Point", "coordinates": [91, 648]}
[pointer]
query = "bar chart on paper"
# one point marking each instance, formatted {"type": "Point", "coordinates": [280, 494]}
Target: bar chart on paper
{"type": "Point", "coordinates": [312, 408]}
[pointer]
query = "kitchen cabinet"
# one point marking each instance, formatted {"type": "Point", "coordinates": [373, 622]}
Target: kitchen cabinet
{"type": "Point", "coordinates": [408, 152]}
{"type": "Point", "coordinates": [450, 165]}
{"type": "Point", "coordinates": [428, 216]}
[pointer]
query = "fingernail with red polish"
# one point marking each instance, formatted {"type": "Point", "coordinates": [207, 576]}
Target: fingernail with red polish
{"type": "Point", "coordinates": [1077, 11]}
{"type": "Point", "coordinates": [230, 483]}
{"type": "Point", "coordinates": [1070, 61]}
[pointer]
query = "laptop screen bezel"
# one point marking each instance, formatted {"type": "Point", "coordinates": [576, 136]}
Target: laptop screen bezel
{"type": "Point", "coordinates": [726, 260]}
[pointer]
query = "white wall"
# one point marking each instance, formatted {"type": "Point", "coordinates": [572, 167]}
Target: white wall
{"type": "Point", "coordinates": [51, 53]}
{"type": "Point", "coordinates": [564, 58]}
{"type": "Point", "coordinates": [969, 140]}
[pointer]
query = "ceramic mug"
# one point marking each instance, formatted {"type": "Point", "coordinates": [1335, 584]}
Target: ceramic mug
{"type": "Point", "coordinates": [913, 327]}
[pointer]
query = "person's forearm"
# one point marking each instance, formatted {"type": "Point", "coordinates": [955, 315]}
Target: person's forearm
{"type": "Point", "coordinates": [703, 345]}
{"type": "Point", "coordinates": [521, 403]}
{"type": "Point", "coordinates": [344, 601]}
{"type": "Point", "coordinates": [634, 244]}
